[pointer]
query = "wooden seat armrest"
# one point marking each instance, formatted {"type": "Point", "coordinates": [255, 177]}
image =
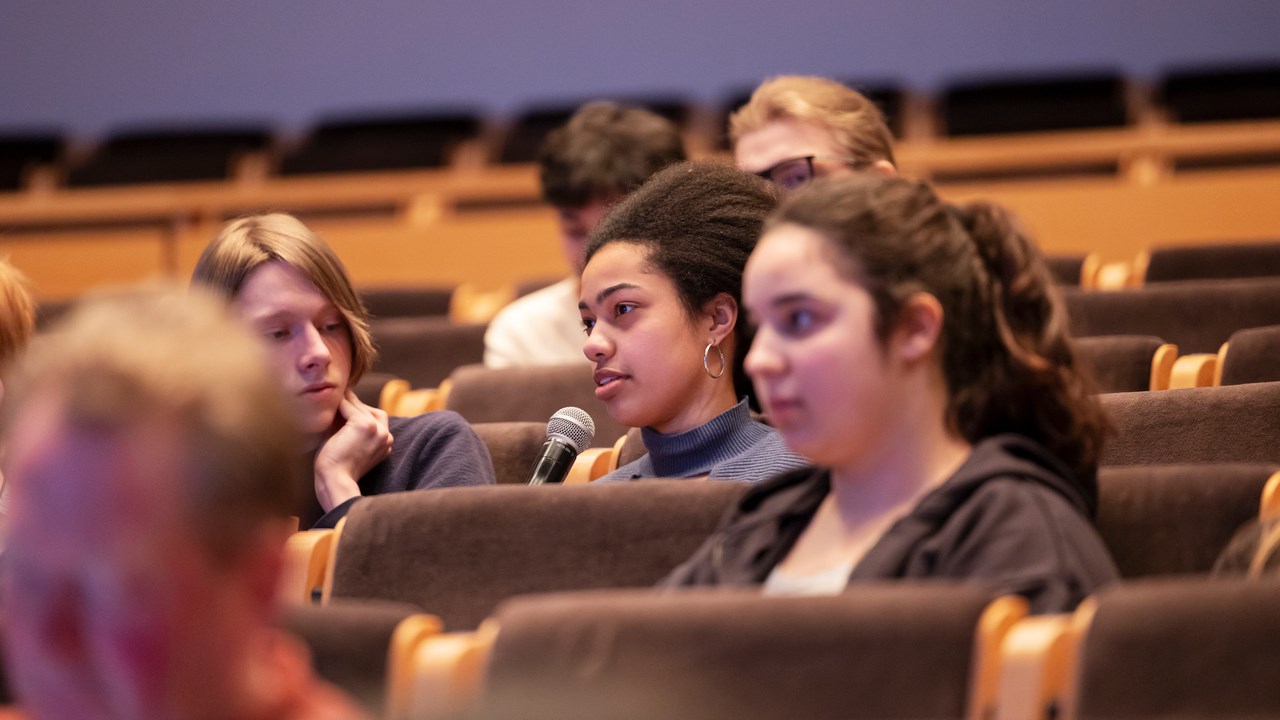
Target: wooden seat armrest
{"type": "Point", "coordinates": [995, 623]}
{"type": "Point", "coordinates": [1113, 276]}
{"type": "Point", "coordinates": [1034, 664]}
{"type": "Point", "coordinates": [416, 402]}
{"type": "Point", "coordinates": [1162, 366]}
{"type": "Point", "coordinates": [408, 636]}
{"type": "Point", "coordinates": [1270, 507]}
{"type": "Point", "coordinates": [1222, 362]}
{"type": "Point", "coordinates": [392, 392]}
{"type": "Point", "coordinates": [306, 555]}
{"type": "Point", "coordinates": [591, 464]}
{"type": "Point", "coordinates": [1191, 371]}
{"type": "Point", "coordinates": [448, 673]}
{"type": "Point", "coordinates": [470, 304]}
{"type": "Point", "coordinates": [326, 587]}
{"type": "Point", "coordinates": [1089, 270]}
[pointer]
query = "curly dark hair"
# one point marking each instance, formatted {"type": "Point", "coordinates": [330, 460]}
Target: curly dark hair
{"type": "Point", "coordinates": [699, 222]}
{"type": "Point", "coordinates": [604, 152]}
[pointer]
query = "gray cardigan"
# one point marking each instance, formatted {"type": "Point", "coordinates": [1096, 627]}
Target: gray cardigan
{"type": "Point", "coordinates": [731, 446]}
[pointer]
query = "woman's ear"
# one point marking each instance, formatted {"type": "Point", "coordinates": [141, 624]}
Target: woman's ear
{"type": "Point", "coordinates": [884, 167]}
{"type": "Point", "coordinates": [918, 326]}
{"type": "Point", "coordinates": [721, 312]}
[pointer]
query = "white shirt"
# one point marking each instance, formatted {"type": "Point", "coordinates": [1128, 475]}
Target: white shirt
{"type": "Point", "coordinates": [541, 328]}
{"type": "Point", "coordinates": [827, 582]}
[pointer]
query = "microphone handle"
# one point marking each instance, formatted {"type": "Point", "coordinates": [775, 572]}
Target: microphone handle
{"type": "Point", "coordinates": [553, 463]}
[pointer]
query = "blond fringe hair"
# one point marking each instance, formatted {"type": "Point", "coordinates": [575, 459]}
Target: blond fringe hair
{"type": "Point", "coordinates": [855, 122]}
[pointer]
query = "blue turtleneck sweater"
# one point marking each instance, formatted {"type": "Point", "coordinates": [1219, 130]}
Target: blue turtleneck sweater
{"type": "Point", "coordinates": [731, 446]}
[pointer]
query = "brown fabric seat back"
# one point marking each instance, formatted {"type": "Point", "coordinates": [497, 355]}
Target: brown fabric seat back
{"type": "Point", "coordinates": [1119, 363]}
{"type": "Point", "coordinates": [633, 449]}
{"type": "Point", "coordinates": [406, 301]}
{"type": "Point", "coordinates": [349, 644]}
{"type": "Point", "coordinates": [1239, 423]}
{"type": "Point", "coordinates": [1253, 356]}
{"type": "Point", "coordinates": [884, 651]}
{"type": "Point", "coordinates": [424, 350]}
{"type": "Point", "coordinates": [1182, 649]}
{"type": "Point", "coordinates": [1220, 261]}
{"type": "Point", "coordinates": [1172, 519]}
{"type": "Point", "coordinates": [1197, 316]}
{"type": "Point", "coordinates": [513, 446]}
{"type": "Point", "coordinates": [457, 552]}
{"type": "Point", "coordinates": [1065, 269]}
{"type": "Point", "coordinates": [529, 394]}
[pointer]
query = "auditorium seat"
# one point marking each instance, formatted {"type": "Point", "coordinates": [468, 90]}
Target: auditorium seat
{"type": "Point", "coordinates": [1221, 94]}
{"type": "Point", "coordinates": [352, 644]}
{"type": "Point", "coordinates": [632, 449]}
{"type": "Point", "coordinates": [457, 552]}
{"type": "Point", "coordinates": [306, 560]}
{"type": "Point", "coordinates": [529, 394]}
{"type": "Point", "coordinates": [1207, 262]}
{"type": "Point", "coordinates": [523, 140]}
{"type": "Point", "coordinates": [19, 152]}
{"type": "Point", "coordinates": [370, 387]}
{"type": "Point", "coordinates": [470, 303]}
{"type": "Point", "coordinates": [513, 447]}
{"type": "Point", "coordinates": [406, 301]}
{"type": "Point", "coordinates": [1250, 356]}
{"type": "Point", "coordinates": [903, 650]}
{"type": "Point", "coordinates": [992, 106]}
{"type": "Point", "coordinates": [1196, 315]}
{"type": "Point", "coordinates": [161, 155]}
{"type": "Point", "coordinates": [424, 350]}
{"type": "Point", "coordinates": [1179, 649]}
{"type": "Point", "coordinates": [1074, 270]}
{"type": "Point", "coordinates": [369, 142]}
{"type": "Point", "coordinates": [1235, 423]}
{"type": "Point", "coordinates": [1176, 519]}
{"type": "Point", "coordinates": [1127, 363]}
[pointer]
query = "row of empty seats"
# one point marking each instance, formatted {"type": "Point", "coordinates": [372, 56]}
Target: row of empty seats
{"type": "Point", "coordinates": [1171, 263]}
{"type": "Point", "coordinates": [358, 143]}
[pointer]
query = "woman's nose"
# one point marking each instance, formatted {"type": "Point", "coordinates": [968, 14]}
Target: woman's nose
{"type": "Point", "coordinates": [597, 346]}
{"type": "Point", "coordinates": [762, 359]}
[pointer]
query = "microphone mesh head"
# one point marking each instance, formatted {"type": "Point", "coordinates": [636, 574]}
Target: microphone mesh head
{"type": "Point", "coordinates": [573, 424]}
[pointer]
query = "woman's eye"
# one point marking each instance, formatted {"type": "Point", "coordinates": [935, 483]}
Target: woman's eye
{"type": "Point", "coordinates": [624, 308]}
{"type": "Point", "coordinates": [278, 334]}
{"type": "Point", "coordinates": [799, 320]}
{"type": "Point", "coordinates": [587, 324]}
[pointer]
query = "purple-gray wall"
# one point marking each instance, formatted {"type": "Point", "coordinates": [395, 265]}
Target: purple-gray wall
{"type": "Point", "coordinates": [87, 66]}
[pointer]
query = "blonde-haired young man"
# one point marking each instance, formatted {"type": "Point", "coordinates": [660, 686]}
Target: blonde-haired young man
{"type": "Point", "coordinates": [797, 128]}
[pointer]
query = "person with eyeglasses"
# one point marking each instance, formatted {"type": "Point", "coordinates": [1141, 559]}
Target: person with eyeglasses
{"type": "Point", "coordinates": [796, 128]}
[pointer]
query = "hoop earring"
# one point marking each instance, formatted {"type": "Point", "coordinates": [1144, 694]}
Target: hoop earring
{"type": "Point", "coordinates": [706, 365]}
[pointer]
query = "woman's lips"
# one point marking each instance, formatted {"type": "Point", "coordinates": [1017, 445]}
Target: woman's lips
{"type": "Point", "coordinates": [782, 411]}
{"type": "Point", "coordinates": [608, 383]}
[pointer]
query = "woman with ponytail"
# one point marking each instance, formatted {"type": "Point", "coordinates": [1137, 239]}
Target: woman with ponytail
{"type": "Point", "coordinates": [918, 353]}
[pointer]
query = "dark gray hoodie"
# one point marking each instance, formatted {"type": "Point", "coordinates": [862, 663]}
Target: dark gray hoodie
{"type": "Point", "coordinates": [1011, 516]}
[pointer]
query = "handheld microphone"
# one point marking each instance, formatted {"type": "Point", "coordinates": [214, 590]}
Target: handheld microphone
{"type": "Point", "coordinates": [569, 432]}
